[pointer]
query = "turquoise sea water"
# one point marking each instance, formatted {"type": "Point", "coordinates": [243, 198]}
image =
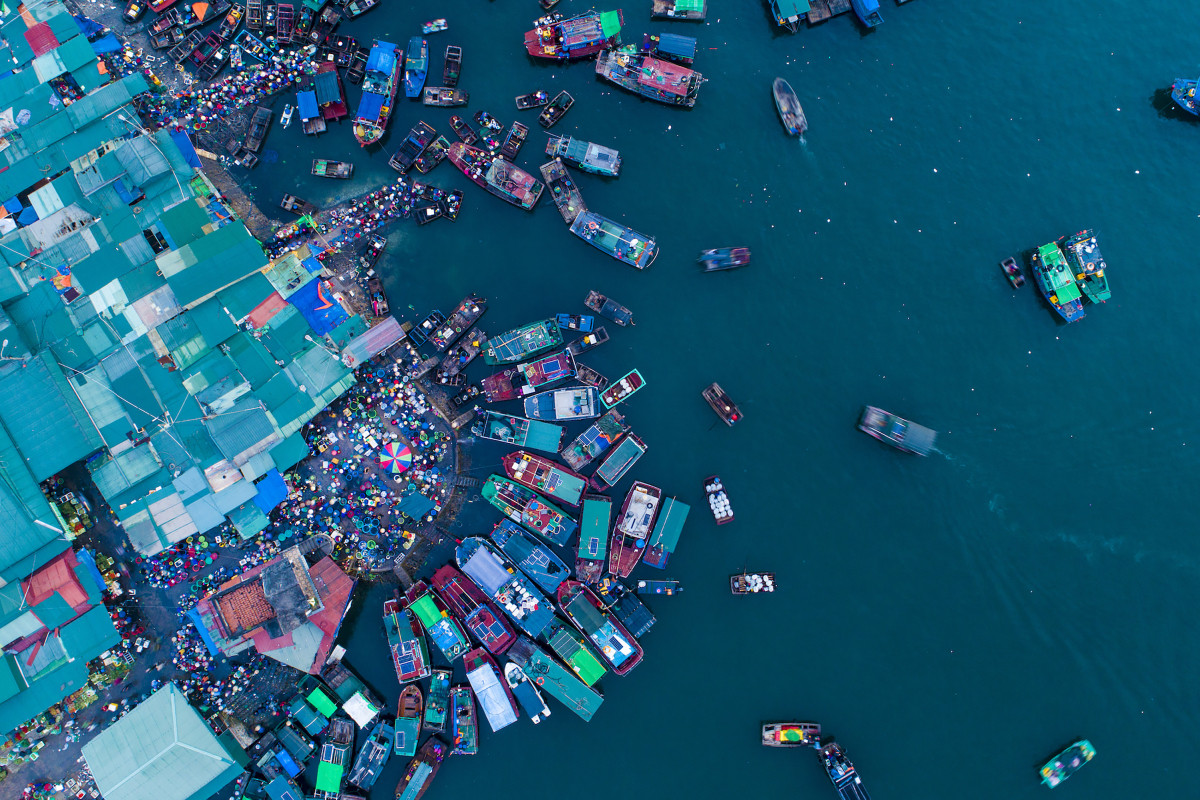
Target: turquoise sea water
{"type": "Point", "coordinates": [953, 620]}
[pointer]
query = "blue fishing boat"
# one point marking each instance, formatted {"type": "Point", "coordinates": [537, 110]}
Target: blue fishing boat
{"type": "Point", "coordinates": [535, 559]}
{"type": "Point", "coordinates": [499, 578]}
{"type": "Point", "coordinates": [1183, 92]}
{"type": "Point", "coordinates": [867, 12]}
{"type": "Point", "coordinates": [1056, 282]}
{"type": "Point", "coordinates": [416, 65]}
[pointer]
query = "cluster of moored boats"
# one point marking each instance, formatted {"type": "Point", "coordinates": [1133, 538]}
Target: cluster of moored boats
{"type": "Point", "coordinates": [1069, 273]}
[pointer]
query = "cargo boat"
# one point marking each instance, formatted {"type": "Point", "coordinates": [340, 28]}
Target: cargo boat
{"type": "Point", "coordinates": [1056, 282]}
{"type": "Point", "coordinates": [1067, 763]}
{"type": "Point", "coordinates": [464, 722]}
{"type": "Point", "coordinates": [1083, 254]}
{"type": "Point", "coordinates": [718, 500]}
{"type": "Point", "coordinates": [465, 314]}
{"type": "Point", "coordinates": [373, 756]}
{"type": "Point", "coordinates": [409, 713]}
{"type": "Point", "coordinates": [897, 431]}
{"type": "Point", "coordinates": [471, 606]}
{"type": "Point", "coordinates": [532, 100]}
{"type": "Point", "coordinates": [752, 583]}
{"type": "Point", "coordinates": [519, 431]}
{"type": "Point", "coordinates": [867, 12]}
{"type": "Point", "coordinates": [671, 516]}
{"type": "Point", "coordinates": [336, 748]}
{"type": "Point", "coordinates": [507, 384]}
{"type": "Point", "coordinates": [438, 700]}
{"type": "Point", "coordinates": [523, 343]}
{"type": "Point", "coordinates": [618, 646]}
{"type": "Point", "coordinates": [563, 190]}
{"type": "Point", "coordinates": [527, 694]}
{"type": "Point", "coordinates": [525, 507]}
{"type": "Point", "coordinates": [555, 679]}
{"type": "Point", "coordinates": [591, 553]}
{"type": "Point", "coordinates": [619, 241]}
{"type": "Point", "coordinates": [444, 97]}
{"type": "Point", "coordinates": [379, 92]}
{"type": "Point", "coordinates": [574, 650]}
{"type": "Point", "coordinates": [633, 527]}
{"type": "Point", "coordinates": [577, 402]}
{"type": "Point", "coordinates": [575, 37]}
{"type": "Point", "coordinates": [791, 113]}
{"type": "Point", "coordinates": [723, 258]}
{"type": "Point", "coordinates": [664, 587]}
{"type": "Point", "coordinates": [587, 156]}
{"type": "Point", "coordinates": [513, 141]}
{"type": "Point", "coordinates": [594, 441]}
{"type": "Point", "coordinates": [439, 625]}
{"type": "Point", "coordinates": [623, 389]}
{"type": "Point", "coordinates": [791, 734]}
{"type": "Point", "coordinates": [462, 130]}
{"type": "Point", "coordinates": [421, 770]}
{"type": "Point", "coordinates": [324, 24]}
{"type": "Point", "coordinates": [721, 403]}
{"type": "Point", "coordinates": [416, 66]}
{"type": "Point", "coordinates": [590, 377]}
{"type": "Point", "coordinates": [510, 588]}
{"type": "Point", "coordinates": [499, 177]}
{"type": "Point", "coordinates": [548, 370]}
{"type": "Point", "coordinates": [1183, 92]}
{"type": "Point", "coordinates": [543, 475]}
{"type": "Point", "coordinates": [585, 343]}
{"type": "Point", "coordinates": [557, 108]}
{"type": "Point", "coordinates": [1013, 272]}
{"type": "Point", "coordinates": [842, 774]}
{"type": "Point", "coordinates": [575, 322]}
{"type": "Point", "coordinates": [618, 463]}
{"type": "Point", "coordinates": [410, 654]}
{"type": "Point", "coordinates": [609, 309]}
{"type": "Point", "coordinates": [623, 603]}
{"type": "Point", "coordinates": [432, 155]}
{"type": "Point", "coordinates": [678, 9]}
{"type": "Point", "coordinates": [536, 560]}
{"type": "Point", "coordinates": [499, 707]}
{"type": "Point", "coordinates": [452, 66]}
{"type": "Point", "coordinates": [652, 78]}
{"type": "Point", "coordinates": [324, 168]}
{"type": "Point", "coordinates": [411, 148]}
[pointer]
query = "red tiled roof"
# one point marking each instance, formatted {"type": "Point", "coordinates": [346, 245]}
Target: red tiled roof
{"type": "Point", "coordinates": [245, 607]}
{"type": "Point", "coordinates": [41, 38]}
{"type": "Point", "coordinates": [57, 576]}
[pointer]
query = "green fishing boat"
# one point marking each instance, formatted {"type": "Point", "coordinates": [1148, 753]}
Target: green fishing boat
{"type": "Point", "coordinates": [555, 679]}
{"type": "Point", "coordinates": [591, 554]}
{"type": "Point", "coordinates": [1067, 763]}
{"type": "Point", "coordinates": [569, 645]}
{"type": "Point", "coordinates": [523, 343]}
{"type": "Point", "coordinates": [1083, 254]}
{"type": "Point", "coordinates": [438, 700]}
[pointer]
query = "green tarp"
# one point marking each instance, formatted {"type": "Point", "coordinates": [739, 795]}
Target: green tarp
{"type": "Point", "coordinates": [329, 777]}
{"type": "Point", "coordinates": [610, 23]}
{"type": "Point", "coordinates": [322, 703]}
{"type": "Point", "coordinates": [426, 611]}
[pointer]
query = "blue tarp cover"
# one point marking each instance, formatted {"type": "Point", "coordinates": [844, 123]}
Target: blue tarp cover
{"type": "Point", "coordinates": [107, 43]}
{"type": "Point", "coordinates": [676, 45]}
{"type": "Point", "coordinates": [316, 304]}
{"type": "Point", "coordinates": [382, 58]}
{"type": "Point", "coordinates": [370, 105]}
{"type": "Point", "coordinates": [181, 140]}
{"type": "Point", "coordinates": [287, 762]}
{"type": "Point", "coordinates": [312, 265]}
{"type": "Point", "coordinates": [88, 27]}
{"type": "Point", "coordinates": [326, 85]}
{"type": "Point", "coordinates": [27, 216]}
{"type": "Point", "coordinates": [272, 490]}
{"type": "Point", "coordinates": [12, 205]}
{"type": "Point", "coordinates": [194, 616]}
{"type": "Point", "coordinates": [307, 103]}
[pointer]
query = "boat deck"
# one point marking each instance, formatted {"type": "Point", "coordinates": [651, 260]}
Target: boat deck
{"type": "Point", "coordinates": [821, 10]}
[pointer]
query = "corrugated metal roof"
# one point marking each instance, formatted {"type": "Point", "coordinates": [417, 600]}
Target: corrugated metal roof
{"type": "Point", "coordinates": [45, 418]}
{"type": "Point", "coordinates": [242, 298]}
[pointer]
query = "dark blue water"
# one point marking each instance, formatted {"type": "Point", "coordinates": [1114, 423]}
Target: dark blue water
{"type": "Point", "coordinates": [953, 620]}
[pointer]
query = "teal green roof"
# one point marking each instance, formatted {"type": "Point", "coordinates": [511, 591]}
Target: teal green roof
{"type": "Point", "coordinates": [29, 531]}
{"type": "Point", "coordinates": [54, 611]}
{"type": "Point", "coordinates": [290, 452]}
{"type": "Point", "coordinates": [244, 296]}
{"type": "Point", "coordinates": [90, 635]}
{"type": "Point", "coordinates": [212, 263]}
{"type": "Point", "coordinates": [671, 516]}
{"type": "Point", "coordinates": [43, 692]}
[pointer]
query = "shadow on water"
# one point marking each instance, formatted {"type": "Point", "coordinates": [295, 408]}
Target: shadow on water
{"type": "Point", "coordinates": [1167, 108]}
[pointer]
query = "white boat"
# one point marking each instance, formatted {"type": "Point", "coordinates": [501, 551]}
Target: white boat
{"type": "Point", "coordinates": [287, 115]}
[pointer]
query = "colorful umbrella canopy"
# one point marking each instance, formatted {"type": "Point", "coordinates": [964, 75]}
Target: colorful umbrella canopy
{"type": "Point", "coordinates": [395, 457]}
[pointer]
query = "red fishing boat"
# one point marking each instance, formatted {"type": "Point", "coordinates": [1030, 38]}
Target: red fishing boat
{"type": "Point", "coordinates": [470, 605]}
{"type": "Point", "coordinates": [633, 527]}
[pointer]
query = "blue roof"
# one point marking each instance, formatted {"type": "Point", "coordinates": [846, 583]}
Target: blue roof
{"type": "Point", "coordinates": [181, 140]}
{"type": "Point", "coordinates": [271, 491]}
{"type": "Point", "coordinates": [370, 105]}
{"type": "Point", "coordinates": [383, 57]}
{"type": "Point", "coordinates": [307, 103]}
{"type": "Point", "coordinates": [315, 302]}
{"type": "Point", "coordinates": [327, 89]}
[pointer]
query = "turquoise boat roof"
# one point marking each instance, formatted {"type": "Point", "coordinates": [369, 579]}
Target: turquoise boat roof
{"type": "Point", "coordinates": [671, 516]}
{"type": "Point", "coordinates": [1058, 274]}
{"type": "Point", "coordinates": [543, 436]}
{"type": "Point", "coordinates": [593, 533]}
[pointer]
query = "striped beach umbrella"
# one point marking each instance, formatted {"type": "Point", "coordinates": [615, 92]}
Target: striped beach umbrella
{"type": "Point", "coordinates": [395, 457]}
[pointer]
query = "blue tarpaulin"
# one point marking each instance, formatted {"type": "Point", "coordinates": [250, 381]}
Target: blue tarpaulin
{"type": "Point", "coordinates": [326, 85]}
{"type": "Point", "coordinates": [287, 762]}
{"type": "Point", "coordinates": [181, 140]}
{"type": "Point", "coordinates": [312, 265]}
{"type": "Point", "coordinates": [306, 102]}
{"type": "Point", "coordinates": [676, 45]}
{"type": "Point", "coordinates": [12, 205]}
{"type": "Point", "coordinates": [88, 27]}
{"type": "Point", "coordinates": [272, 490]}
{"type": "Point", "coordinates": [382, 58]}
{"type": "Point", "coordinates": [316, 304]}
{"type": "Point", "coordinates": [205, 636]}
{"type": "Point", "coordinates": [370, 105]}
{"type": "Point", "coordinates": [27, 216]}
{"type": "Point", "coordinates": [108, 43]}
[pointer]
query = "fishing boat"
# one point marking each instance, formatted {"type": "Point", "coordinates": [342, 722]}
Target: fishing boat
{"type": "Point", "coordinates": [623, 604]}
{"type": "Point", "coordinates": [496, 576]}
{"type": "Point", "coordinates": [464, 722]}
{"type": "Point", "coordinates": [575, 322]}
{"type": "Point", "coordinates": [574, 649]}
{"type": "Point", "coordinates": [465, 314]}
{"type": "Point", "coordinates": [1067, 763]}
{"type": "Point", "coordinates": [433, 155]}
{"type": "Point", "coordinates": [471, 606]}
{"type": "Point", "coordinates": [526, 692]}
{"type": "Point", "coordinates": [842, 774]}
{"type": "Point", "coordinates": [441, 627]}
{"type": "Point", "coordinates": [235, 56]}
{"type": "Point", "coordinates": [324, 24]}
{"type": "Point", "coordinates": [672, 514]}
{"type": "Point", "coordinates": [297, 205]}
{"type": "Point", "coordinates": [289, 111]}
{"type": "Point", "coordinates": [410, 654]}
{"type": "Point", "coordinates": [518, 431]}
{"type": "Point", "coordinates": [556, 680]}
{"type": "Point", "coordinates": [252, 46]}
{"type": "Point", "coordinates": [336, 748]}
{"type": "Point", "coordinates": [495, 698]}
{"type": "Point", "coordinates": [421, 770]}
{"type": "Point", "coordinates": [452, 67]}
{"type": "Point", "coordinates": [356, 8]}
{"type": "Point", "coordinates": [325, 168]}
{"type": "Point", "coordinates": [695, 10]}
{"type": "Point", "coordinates": [1083, 255]}
{"type": "Point", "coordinates": [556, 110]}
{"type": "Point", "coordinates": [723, 258]}
{"type": "Point", "coordinates": [594, 441]}
{"type": "Point", "coordinates": [1183, 92]}
{"type": "Point", "coordinates": [499, 177]}
{"type": "Point", "coordinates": [134, 10]}
{"type": "Point", "coordinates": [1056, 282]}
{"type": "Point", "coordinates": [1012, 272]}
{"type": "Point", "coordinates": [623, 389]}
{"type": "Point", "coordinates": [311, 121]}
{"type": "Point", "coordinates": [590, 377]}
{"type": "Point", "coordinates": [375, 752]}
{"type": "Point", "coordinates": [409, 713]}
{"type": "Point", "coordinates": [578, 402]}
{"type": "Point", "coordinates": [574, 37]}
{"type": "Point", "coordinates": [434, 26]}
{"type": "Point", "coordinates": [534, 558]}
{"type": "Point", "coordinates": [548, 370]}
{"type": "Point", "coordinates": [563, 191]}
{"type": "Point", "coordinates": [438, 701]}
{"type": "Point", "coordinates": [619, 241]}
{"type": "Point", "coordinates": [416, 66]}
{"type": "Point", "coordinates": [444, 97]}
{"type": "Point", "coordinates": [468, 394]}
{"type": "Point", "coordinates": [718, 500]}
{"type": "Point", "coordinates": [285, 23]}
{"type": "Point", "coordinates": [331, 95]}
{"type": "Point", "coordinates": [411, 148]}
{"type": "Point", "coordinates": [543, 475]}
{"type": "Point", "coordinates": [897, 431]}
{"type": "Point", "coordinates": [259, 124]}
{"type": "Point", "coordinates": [523, 343]}
{"type": "Point", "coordinates": [788, 13]}
{"type": "Point", "coordinates": [462, 130]}
{"type": "Point", "coordinates": [587, 156]}
{"type": "Point", "coordinates": [513, 141]}
{"type": "Point", "coordinates": [867, 12]}
{"type": "Point", "coordinates": [371, 254]}
{"type": "Point", "coordinates": [721, 403]}
{"type": "Point", "coordinates": [462, 353]}
{"type": "Point", "coordinates": [585, 343]}
{"type": "Point", "coordinates": [752, 583]}
{"type": "Point", "coordinates": [791, 113]}
{"type": "Point", "coordinates": [420, 334]}
{"type": "Point", "coordinates": [229, 25]}
{"type": "Point", "coordinates": [617, 645]}
{"type": "Point", "coordinates": [652, 78]}
{"type": "Point", "coordinates": [507, 384]}
{"type": "Point", "coordinates": [633, 528]}
{"type": "Point", "coordinates": [532, 100]}
{"type": "Point", "coordinates": [379, 92]}
{"type": "Point", "coordinates": [525, 507]}
{"type": "Point", "coordinates": [664, 587]}
{"type": "Point", "coordinates": [791, 734]}
{"type": "Point", "coordinates": [618, 463]}
{"type": "Point", "coordinates": [358, 65]}
{"type": "Point", "coordinates": [592, 550]}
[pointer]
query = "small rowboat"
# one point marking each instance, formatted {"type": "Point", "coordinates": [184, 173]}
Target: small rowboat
{"type": "Point", "coordinates": [1013, 272]}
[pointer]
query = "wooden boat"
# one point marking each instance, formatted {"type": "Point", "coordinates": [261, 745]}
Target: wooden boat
{"type": "Point", "coordinates": [358, 66]}
{"type": "Point", "coordinates": [324, 24]}
{"type": "Point", "coordinates": [720, 402]}
{"type": "Point", "coordinates": [590, 377]}
{"type": "Point", "coordinates": [609, 309]}
{"type": "Point", "coordinates": [285, 23]}
{"type": "Point", "coordinates": [897, 431]}
{"type": "Point", "coordinates": [434, 26]}
{"type": "Point", "coordinates": [667, 586]}
{"type": "Point", "coordinates": [325, 168]}
{"type": "Point", "coordinates": [356, 8]}
{"type": "Point", "coordinates": [513, 141]}
{"type": "Point", "coordinates": [444, 97]}
{"type": "Point", "coordinates": [673, 9]}
{"type": "Point", "coordinates": [174, 38]}
{"type": "Point", "coordinates": [462, 130]}
{"type": "Point", "coordinates": [134, 10]}
{"type": "Point", "coordinates": [718, 500]}
{"type": "Point", "coordinates": [788, 106]}
{"type": "Point", "coordinates": [432, 155]}
{"type": "Point", "coordinates": [214, 64]}
{"type": "Point", "coordinates": [421, 770]}
{"type": "Point", "coordinates": [722, 258]}
{"type": "Point", "coordinates": [557, 109]}
{"type": "Point", "coordinates": [1012, 272]}
{"type": "Point", "coordinates": [563, 190]}
{"type": "Point", "coordinates": [453, 66]}
{"type": "Point", "coordinates": [791, 734]}
{"type": "Point", "coordinates": [585, 343]}
{"type": "Point", "coordinates": [254, 15]}
{"type": "Point", "coordinates": [257, 131]}
{"type": "Point", "coordinates": [752, 583]}
{"type": "Point", "coordinates": [409, 711]}
{"type": "Point", "coordinates": [623, 389]}
{"type": "Point", "coordinates": [229, 25]}
{"type": "Point", "coordinates": [205, 49]}
{"type": "Point", "coordinates": [534, 100]}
